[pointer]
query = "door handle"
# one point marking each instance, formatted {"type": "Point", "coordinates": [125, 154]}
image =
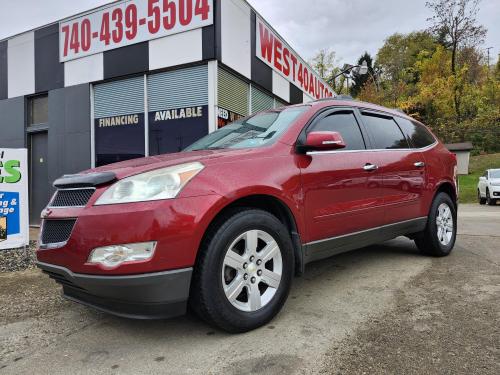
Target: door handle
{"type": "Point", "coordinates": [369, 167]}
{"type": "Point", "coordinates": [419, 164]}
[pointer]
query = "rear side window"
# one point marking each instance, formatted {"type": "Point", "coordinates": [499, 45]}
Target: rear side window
{"type": "Point", "coordinates": [420, 137]}
{"type": "Point", "coordinates": [385, 132]}
{"type": "Point", "coordinates": [344, 123]}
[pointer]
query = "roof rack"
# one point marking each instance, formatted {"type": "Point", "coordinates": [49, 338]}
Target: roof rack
{"type": "Point", "coordinates": [338, 97]}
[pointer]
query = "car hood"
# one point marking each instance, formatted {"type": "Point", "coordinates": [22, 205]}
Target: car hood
{"type": "Point", "coordinates": [207, 158]}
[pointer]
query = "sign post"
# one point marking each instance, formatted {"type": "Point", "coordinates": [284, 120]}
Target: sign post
{"type": "Point", "coordinates": [14, 224]}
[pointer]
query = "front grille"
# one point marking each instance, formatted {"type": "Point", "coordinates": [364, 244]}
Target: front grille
{"type": "Point", "coordinates": [56, 231]}
{"type": "Point", "coordinates": [72, 197]}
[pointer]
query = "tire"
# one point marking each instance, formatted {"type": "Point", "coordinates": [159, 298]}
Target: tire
{"type": "Point", "coordinates": [428, 241]}
{"type": "Point", "coordinates": [490, 201]}
{"type": "Point", "coordinates": [482, 201]}
{"type": "Point", "coordinates": [213, 277]}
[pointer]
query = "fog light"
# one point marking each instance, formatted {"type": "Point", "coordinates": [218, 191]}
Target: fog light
{"type": "Point", "coordinates": [115, 255]}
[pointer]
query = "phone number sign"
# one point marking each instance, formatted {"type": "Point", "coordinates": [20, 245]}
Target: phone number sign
{"type": "Point", "coordinates": [130, 22]}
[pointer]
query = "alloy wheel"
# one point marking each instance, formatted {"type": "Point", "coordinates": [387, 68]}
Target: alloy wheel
{"type": "Point", "coordinates": [444, 224]}
{"type": "Point", "coordinates": [252, 270]}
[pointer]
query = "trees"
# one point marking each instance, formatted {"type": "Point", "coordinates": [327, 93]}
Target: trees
{"type": "Point", "coordinates": [360, 80]}
{"type": "Point", "coordinates": [455, 23]}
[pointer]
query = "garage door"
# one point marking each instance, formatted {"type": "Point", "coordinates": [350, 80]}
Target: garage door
{"type": "Point", "coordinates": [119, 120]}
{"type": "Point", "coordinates": [177, 108]}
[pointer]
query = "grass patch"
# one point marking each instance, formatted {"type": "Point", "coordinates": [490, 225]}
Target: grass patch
{"type": "Point", "coordinates": [478, 164]}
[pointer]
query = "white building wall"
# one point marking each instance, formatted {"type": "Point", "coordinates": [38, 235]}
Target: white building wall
{"type": "Point", "coordinates": [281, 87]}
{"type": "Point", "coordinates": [463, 158]}
{"type": "Point", "coordinates": [21, 65]}
{"type": "Point", "coordinates": [86, 69]}
{"type": "Point", "coordinates": [236, 36]}
{"type": "Point", "coordinates": [176, 49]}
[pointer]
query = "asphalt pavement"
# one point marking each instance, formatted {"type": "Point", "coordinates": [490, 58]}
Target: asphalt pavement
{"type": "Point", "coordinates": [382, 309]}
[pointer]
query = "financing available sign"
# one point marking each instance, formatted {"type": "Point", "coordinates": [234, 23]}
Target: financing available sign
{"type": "Point", "coordinates": [14, 225]}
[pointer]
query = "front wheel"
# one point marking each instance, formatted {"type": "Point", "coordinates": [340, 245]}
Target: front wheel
{"type": "Point", "coordinates": [244, 271]}
{"type": "Point", "coordinates": [481, 200]}
{"type": "Point", "coordinates": [438, 238]}
{"type": "Point", "coordinates": [490, 201]}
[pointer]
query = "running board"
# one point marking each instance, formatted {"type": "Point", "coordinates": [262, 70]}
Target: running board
{"type": "Point", "coordinates": [336, 245]}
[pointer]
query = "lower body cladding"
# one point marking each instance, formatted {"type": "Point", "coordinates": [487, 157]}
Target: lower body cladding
{"type": "Point", "coordinates": [146, 296]}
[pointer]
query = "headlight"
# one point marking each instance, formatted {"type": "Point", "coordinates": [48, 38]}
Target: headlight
{"type": "Point", "coordinates": [165, 183]}
{"type": "Point", "coordinates": [115, 255]}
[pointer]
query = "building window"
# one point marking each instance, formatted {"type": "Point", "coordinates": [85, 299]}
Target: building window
{"type": "Point", "coordinates": [38, 110]}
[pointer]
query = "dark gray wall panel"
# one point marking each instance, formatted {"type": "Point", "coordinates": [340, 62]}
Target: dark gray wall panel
{"type": "Point", "coordinates": [208, 42]}
{"type": "Point", "coordinates": [49, 72]}
{"type": "Point", "coordinates": [126, 60]}
{"type": "Point", "coordinates": [261, 73]}
{"type": "Point", "coordinates": [3, 71]}
{"type": "Point", "coordinates": [69, 130]}
{"type": "Point", "coordinates": [296, 95]}
{"type": "Point", "coordinates": [12, 123]}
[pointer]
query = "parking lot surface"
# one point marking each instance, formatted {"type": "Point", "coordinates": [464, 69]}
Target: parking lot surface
{"type": "Point", "coordinates": [382, 309]}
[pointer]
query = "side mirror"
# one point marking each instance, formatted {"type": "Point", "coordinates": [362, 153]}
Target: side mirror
{"type": "Point", "coordinates": [324, 140]}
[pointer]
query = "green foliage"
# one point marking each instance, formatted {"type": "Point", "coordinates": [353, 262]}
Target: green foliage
{"type": "Point", "coordinates": [361, 80]}
{"type": "Point", "coordinates": [442, 79]}
{"type": "Point", "coordinates": [438, 76]}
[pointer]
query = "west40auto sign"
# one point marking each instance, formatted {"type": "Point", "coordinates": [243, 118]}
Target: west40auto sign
{"type": "Point", "coordinates": [130, 22]}
{"type": "Point", "coordinates": [279, 56]}
{"type": "Point", "coordinates": [14, 230]}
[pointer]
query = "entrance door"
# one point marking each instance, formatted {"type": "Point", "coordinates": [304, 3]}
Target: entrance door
{"type": "Point", "coordinates": [39, 177]}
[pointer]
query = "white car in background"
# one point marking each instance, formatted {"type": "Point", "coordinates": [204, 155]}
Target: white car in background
{"type": "Point", "coordinates": [488, 188]}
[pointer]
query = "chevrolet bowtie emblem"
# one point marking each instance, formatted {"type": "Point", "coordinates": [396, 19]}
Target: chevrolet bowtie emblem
{"type": "Point", "coordinates": [45, 213]}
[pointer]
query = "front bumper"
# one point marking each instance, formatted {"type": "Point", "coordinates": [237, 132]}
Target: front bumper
{"type": "Point", "coordinates": [495, 191]}
{"type": "Point", "coordinates": [145, 296]}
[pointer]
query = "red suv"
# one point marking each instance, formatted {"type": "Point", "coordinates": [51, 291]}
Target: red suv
{"type": "Point", "coordinates": [227, 223]}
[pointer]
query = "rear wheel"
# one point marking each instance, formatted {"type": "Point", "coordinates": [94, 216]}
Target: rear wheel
{"type": "Point", "coordinates": [480, 199]}
{"type": "Point", "coordinates": [244, 271]}
{"type": "Point", "coordinates": [438, 238]}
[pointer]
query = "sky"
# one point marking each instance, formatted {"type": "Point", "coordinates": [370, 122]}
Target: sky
{"type": "Point", "coordinates": [348, 27]}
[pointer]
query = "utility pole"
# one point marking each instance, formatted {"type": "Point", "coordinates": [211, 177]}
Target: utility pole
{"type": "Point", "coordinates": [488, 51]}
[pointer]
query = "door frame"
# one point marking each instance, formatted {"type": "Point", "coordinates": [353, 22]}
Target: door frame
{"type": "Point", "coordinates": [29, 134]}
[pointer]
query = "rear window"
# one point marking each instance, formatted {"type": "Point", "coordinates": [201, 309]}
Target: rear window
{"type": "Point", "coordinates": [385, 132]}
{"type": "Point", "coordinates": [418, 135]}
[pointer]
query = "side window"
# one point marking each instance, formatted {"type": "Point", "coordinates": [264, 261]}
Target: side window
{"type": "Point", "coordinates": [386, 133]}
{"type": "Point", "coordinates": [344, 123]}
{"type": "Point", "coordinates": [418, 134]}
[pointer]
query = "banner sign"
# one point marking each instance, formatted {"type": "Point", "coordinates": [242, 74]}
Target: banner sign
{"type": "Point", "coordinates": [14, 224]}
{"type": "Point", "coordinates": [226, 117]}
{"type": "Point", "coordinates": [280, 57]}
{"type": "Point", "coordinates": [172, 130]}
{"type": "Point", "coordinates": [130, 22]}
{"type": "Point", "coordinates": [119, 138]}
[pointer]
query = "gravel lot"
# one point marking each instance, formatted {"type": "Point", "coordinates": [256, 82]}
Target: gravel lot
{"type": "Point", "coordinates": [18, 259]}
{"type": "Point", "coordinates": [383, 309]}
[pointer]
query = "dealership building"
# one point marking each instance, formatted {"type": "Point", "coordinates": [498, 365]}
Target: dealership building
{"type": "Point", "coordinates": [140, 78]}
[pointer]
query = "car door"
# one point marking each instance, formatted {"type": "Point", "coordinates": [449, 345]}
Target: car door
{"type": "Point", "coordinates": [402, 168]}
{"type": "Point", "coordinates": [342, 192]}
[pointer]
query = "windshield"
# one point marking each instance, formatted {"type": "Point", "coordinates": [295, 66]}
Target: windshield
{"type": "Point", "coordinates": [495, 173]}
{"type": "Point", "coordinates": [251, 132]}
